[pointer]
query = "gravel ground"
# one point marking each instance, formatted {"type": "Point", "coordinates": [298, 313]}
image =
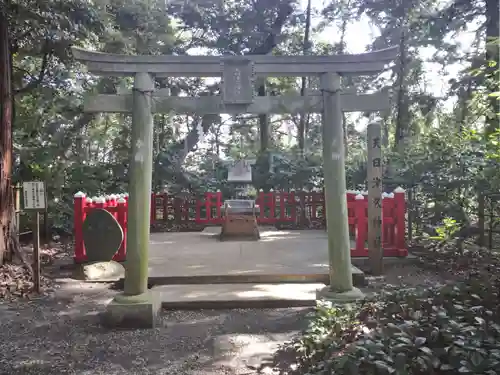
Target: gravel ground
{"type": "Point", "coordinates": [60, 334]}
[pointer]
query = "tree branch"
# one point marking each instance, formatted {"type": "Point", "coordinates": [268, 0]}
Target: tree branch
{"type": "Point", "coordinates": [47, 52]}
{"type": "Point", "coordinates": [284, 11]}
{"type": "Point", "coordinates": [177, 153]}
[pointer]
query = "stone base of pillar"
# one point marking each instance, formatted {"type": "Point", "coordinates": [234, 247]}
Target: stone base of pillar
{"type": "Point", "coordinates": [339, 297]}
{"type": "Point", "coordinates": [141, 311]}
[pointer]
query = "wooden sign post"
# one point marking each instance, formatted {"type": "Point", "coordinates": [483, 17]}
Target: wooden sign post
{"type": "Point", "coordinates": [35, 200]}
{"type": "Point", "coordinates": [374, 180]}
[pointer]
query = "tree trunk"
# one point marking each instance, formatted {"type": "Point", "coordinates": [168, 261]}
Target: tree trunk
{"type": "Point", "coordinates": [342, 43]}
{"type": "Point", "coordinates": [464, 97]}
{"type": "Point", "coordinates": [170, 162]}
{"type": "Point", "coordinates": [492, 54]}
{"type": "Point", "coordinates": [7, 211]}
{"type": "Point", "coordinates": [305, 49]}
{"type": "Point", "coordinates": [284, 10]}
{"type": "Point", "coordinates": [402, 104]}
{"type": "Point", "coordinates": [263, 121]}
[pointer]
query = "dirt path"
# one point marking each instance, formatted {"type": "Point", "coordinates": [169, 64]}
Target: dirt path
{"type": "Point", "coordinates": [61, 335]}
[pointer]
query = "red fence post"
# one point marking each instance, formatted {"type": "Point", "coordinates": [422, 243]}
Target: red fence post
{"type": "Point", "coordinates": [314, 204]}
{"type": "Point", "coordinates": [121, 217]}
{"type": "Point", "coordinates": [361, 226]}
{"type": "Point", "coordinates": [197, 210]}
{"type": "Point", "coordinates": [351, 197]}
{"type": "Point", "coordinates": [209, 197]}
{"type": "Point", "coordinates": [111, 200]}
{"type": "Point", "coordinates": [260, 202]}
{"type": "Point", "coordinates": [152, 213]}
{"type": "Point", "coordinates": [79, 203]}
{"type": "Point", "coordinates": [272, 206]}
{"type": "Point", "coordinates": [292, 203]}
{"type": "Point", "coordinates": [400, 217]}
{"type": "Point", "coordinates": [302, 202]}
{"type": "Point", "coordinates": [218, 206]}
{"type": "Point", "coordinates": [388, 230]}
{"type": "Point", "coordinates": [165, 206]}
{"type": "Point", "coordinates": [278, 204]}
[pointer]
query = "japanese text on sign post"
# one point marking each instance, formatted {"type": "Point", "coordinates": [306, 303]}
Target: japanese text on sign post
{"type": "Point", "coordinates": [35, 200]}
{"type": "Point", "coordinates": [34, 195]}
{"type": "Point", "coordinates": [374, 179]}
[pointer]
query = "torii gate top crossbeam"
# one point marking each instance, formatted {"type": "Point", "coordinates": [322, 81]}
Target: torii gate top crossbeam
{"type": "Point", "coordinates": [210, 66]}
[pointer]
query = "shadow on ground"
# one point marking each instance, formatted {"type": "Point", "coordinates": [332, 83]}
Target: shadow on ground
{"type": "Point", "coordinates": [61, 334]}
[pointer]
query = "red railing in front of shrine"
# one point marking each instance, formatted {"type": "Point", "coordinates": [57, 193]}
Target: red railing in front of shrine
{"type": "Point", "coordinates": [297, 209]}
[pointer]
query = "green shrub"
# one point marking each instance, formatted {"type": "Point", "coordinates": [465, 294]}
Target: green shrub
{"type": "Point", "coordinates": [449, 329]}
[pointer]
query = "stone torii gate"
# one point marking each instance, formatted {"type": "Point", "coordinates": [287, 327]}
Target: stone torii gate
{"type": "Point", "coordinates": [238, 74]}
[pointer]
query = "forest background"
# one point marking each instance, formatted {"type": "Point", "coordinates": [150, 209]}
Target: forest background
{"type": "Point", "coordinates": [441, 137]}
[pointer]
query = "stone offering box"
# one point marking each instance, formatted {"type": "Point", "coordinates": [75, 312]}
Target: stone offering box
{"type": "Point", "coordinates": [240, 219]}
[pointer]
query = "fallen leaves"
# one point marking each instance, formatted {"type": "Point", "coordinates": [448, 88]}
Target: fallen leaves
{"type": "Point", "coordinates": [16, 281]}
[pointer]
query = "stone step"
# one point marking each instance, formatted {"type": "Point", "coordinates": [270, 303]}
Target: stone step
{"type": "Point", "coordinates": [232, 296]}
{"type": "Point", "coordinates": [255, 278]}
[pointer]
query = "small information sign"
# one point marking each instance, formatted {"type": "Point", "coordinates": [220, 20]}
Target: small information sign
{"type": "Point", "coordinates": [35, 200]}
{"type": "Point", "coordinates": [34, 195]}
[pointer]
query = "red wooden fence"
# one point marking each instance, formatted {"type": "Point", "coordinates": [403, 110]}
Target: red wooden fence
{"type": "Point", "coordinates": [276, 208]}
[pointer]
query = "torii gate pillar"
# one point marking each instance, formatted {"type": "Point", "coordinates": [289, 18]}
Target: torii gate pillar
{"type": "Point", "coordinates": [138, 307]}
{"type": "Point", "coordinates": [339, 248]}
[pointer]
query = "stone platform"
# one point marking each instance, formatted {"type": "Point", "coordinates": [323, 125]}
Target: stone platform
{"type": "Point", "coordinates": [278, 257]}
{"type": "Point", "coordinates": [195, 270]}
{"type": "Point", "coordinates": [282, 269]}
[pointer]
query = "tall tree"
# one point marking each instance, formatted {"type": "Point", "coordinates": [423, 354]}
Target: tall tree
{"type": "Point", "coordinates": [482, 18]}
{"type": "Point", "coordinates": [493, 55]}
{"type": "Point", "coordinates": [39, 34]}
{"type": "Point", "coordinates": [304, 117]}
{"type": "Point", "coordinates": [7, 237]}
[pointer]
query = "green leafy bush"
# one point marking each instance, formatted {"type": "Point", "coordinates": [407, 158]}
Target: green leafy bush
{"type": "Point", "coordinates": [448, 329]}
{"type": "Point", "coordinates": [447, 230]}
